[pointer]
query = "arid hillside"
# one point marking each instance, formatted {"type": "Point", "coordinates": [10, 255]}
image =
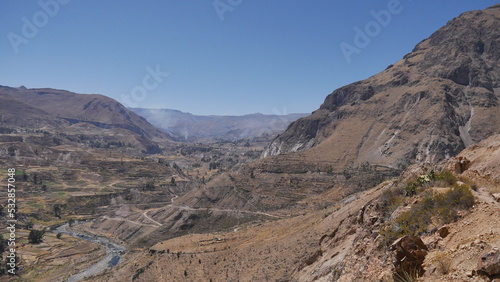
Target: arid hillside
{"type": "Point", "coordinates": [98, 118]}
{"type": "Point", "coordinates": [354, 240]}
{"type": "Point", "coordinates": [440, 98]}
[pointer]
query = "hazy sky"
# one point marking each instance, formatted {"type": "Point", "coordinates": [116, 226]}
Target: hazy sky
{"type": "Point", "coordinates": [212, 57]}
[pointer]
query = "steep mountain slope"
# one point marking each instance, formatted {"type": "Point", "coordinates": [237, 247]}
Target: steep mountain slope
{"type": "Point", "coordinates": [452, 255]}
{"type": "Point", "coordinates": [343, 242]}
{"type": "Point", "coordinates": [440, 98]}
{"type": "Point", "coordinates": [191, 127]}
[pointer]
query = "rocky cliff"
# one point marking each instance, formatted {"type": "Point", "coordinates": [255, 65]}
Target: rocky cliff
{"type": "Point", "coordinates": [440, 98]}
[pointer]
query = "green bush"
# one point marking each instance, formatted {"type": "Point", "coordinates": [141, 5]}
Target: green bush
{"type": "Point", "coordinates": [36, 236]}
{"type": "Point", "coordinates": [410, 189]}
{"type": "Point", "coordinates": [390, 200]}
{"type": "Point", "coordinates": [442, 207]}
{"type": "Point", "coordinates": [458, 197]}
{"type": "Point", "coordinates": [447, 177]}
{"type": "Point", "coordinates": [412, 186]}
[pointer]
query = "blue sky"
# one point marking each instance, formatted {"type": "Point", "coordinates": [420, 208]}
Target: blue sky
{"type": "Point", "coordinates": [211, 57]}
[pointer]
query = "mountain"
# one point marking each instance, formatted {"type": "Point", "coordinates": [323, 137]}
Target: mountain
{"type": "Point", "coordinates": [31, 117]}
{"type": "Point", "coordinates": [77, 113]}
{"type": "Point", "coordinates": [440, 98]}
{"type": "Point", "coordinates": [192, 127]}
{"type": "Point", "coordinates": [349, 241]}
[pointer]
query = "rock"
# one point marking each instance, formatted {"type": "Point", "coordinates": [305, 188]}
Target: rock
{"type": "Point", "coordinates": [461, 165]}
{"type": "Point", "coordinates": [472, 273]}
{"type": "Point", "coordinates": [409, 252]}
{"type": "Point", "coordinates": [489, 262]}
{"type": "Point", "coordinates": [443, 231]}
{"type": "Point", "coordinates": [431, 241]}
{"type": "Point", "coordinates": [373, 219]}
{"type": "Point", "coordinates": [313, 258]}
{"type": "Point", "coordinates": [496, 196]}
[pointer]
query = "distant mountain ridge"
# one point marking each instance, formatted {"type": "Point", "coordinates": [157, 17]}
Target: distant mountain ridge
{"type": "Point", "coordinates": [187, 126]}
{"type": "Point", "coordinates": [64, 110]}
{"type": "Point", "coordinates": [440, 98]}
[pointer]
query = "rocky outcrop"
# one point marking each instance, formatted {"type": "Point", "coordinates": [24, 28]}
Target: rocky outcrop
{"type": "Point", "coordinates": [437, 100]}
{"type": "Point", "coordinates": [482, 159]}
{"type": "Point", "coordinates": [462, 164]}
{"type": "Point", "coordinates": [409, 254]}
{"type": "Point", "coordinates": [489, 263]}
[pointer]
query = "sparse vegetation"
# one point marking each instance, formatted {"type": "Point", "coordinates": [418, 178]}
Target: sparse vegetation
{"type": "Point", "coordinates": [149, 186]}
{"type": "Point", "coordinates": [405, 276]}
{"type": "Point", "coordinates": [36, 236]}
{"type": "Point", "coordinates": [433, 207]}
{"type": "Point", "coordinates": [29, 224]}
{"type": "Point", "coordinates": [6, 130]}
{"type": "Point", "coordinates": [390, 200]}
{"type": "Point", "coordinates": [3, 244]}
{"type": "Point", "coordinates": [57, 211]}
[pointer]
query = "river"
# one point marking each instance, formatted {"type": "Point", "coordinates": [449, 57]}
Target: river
{"type": "Point", "coordinates": [113, 253]}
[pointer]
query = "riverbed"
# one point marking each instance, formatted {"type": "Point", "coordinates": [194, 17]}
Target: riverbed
{"type": "Point", "coordinates": [114, 252]}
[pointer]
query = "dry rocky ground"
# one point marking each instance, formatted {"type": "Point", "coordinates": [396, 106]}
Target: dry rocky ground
{"type": "Point", "coordinates": [340, 243]}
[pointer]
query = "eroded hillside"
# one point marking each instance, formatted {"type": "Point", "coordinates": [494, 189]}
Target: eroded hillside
{"type": "Point", "coordinates": [352, 240]}
{"type": "Point", "coordinates": [440, 98]}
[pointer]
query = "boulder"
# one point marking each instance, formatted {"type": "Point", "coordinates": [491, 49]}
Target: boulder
{"type": "Point", "coordinates": [443, 231]}
{"type": "Point", "coordinates": [489, 263]}
{"type": "Point", "coordinates": [409, 254]}
{"type": "Point", "coordinates": [461, 164]}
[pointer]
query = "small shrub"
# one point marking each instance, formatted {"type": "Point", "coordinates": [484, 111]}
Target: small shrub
{"type": "Point", "coordinates": [458, 197]}
{"type": "Point", "coordinates": [447, 177]}
{"type": "Point", "coordinates": [443, 207]}
{"type": "Point", "coordinates": [390, 200]}
{"type": "Point", "coordinates": [406, 276]}
{"type": "Point", "coordinates": [59, 235]}
{"type": "Point", "coordinates": [36, 236]}
{"type": "Point", "coordinates": [410, 189]}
